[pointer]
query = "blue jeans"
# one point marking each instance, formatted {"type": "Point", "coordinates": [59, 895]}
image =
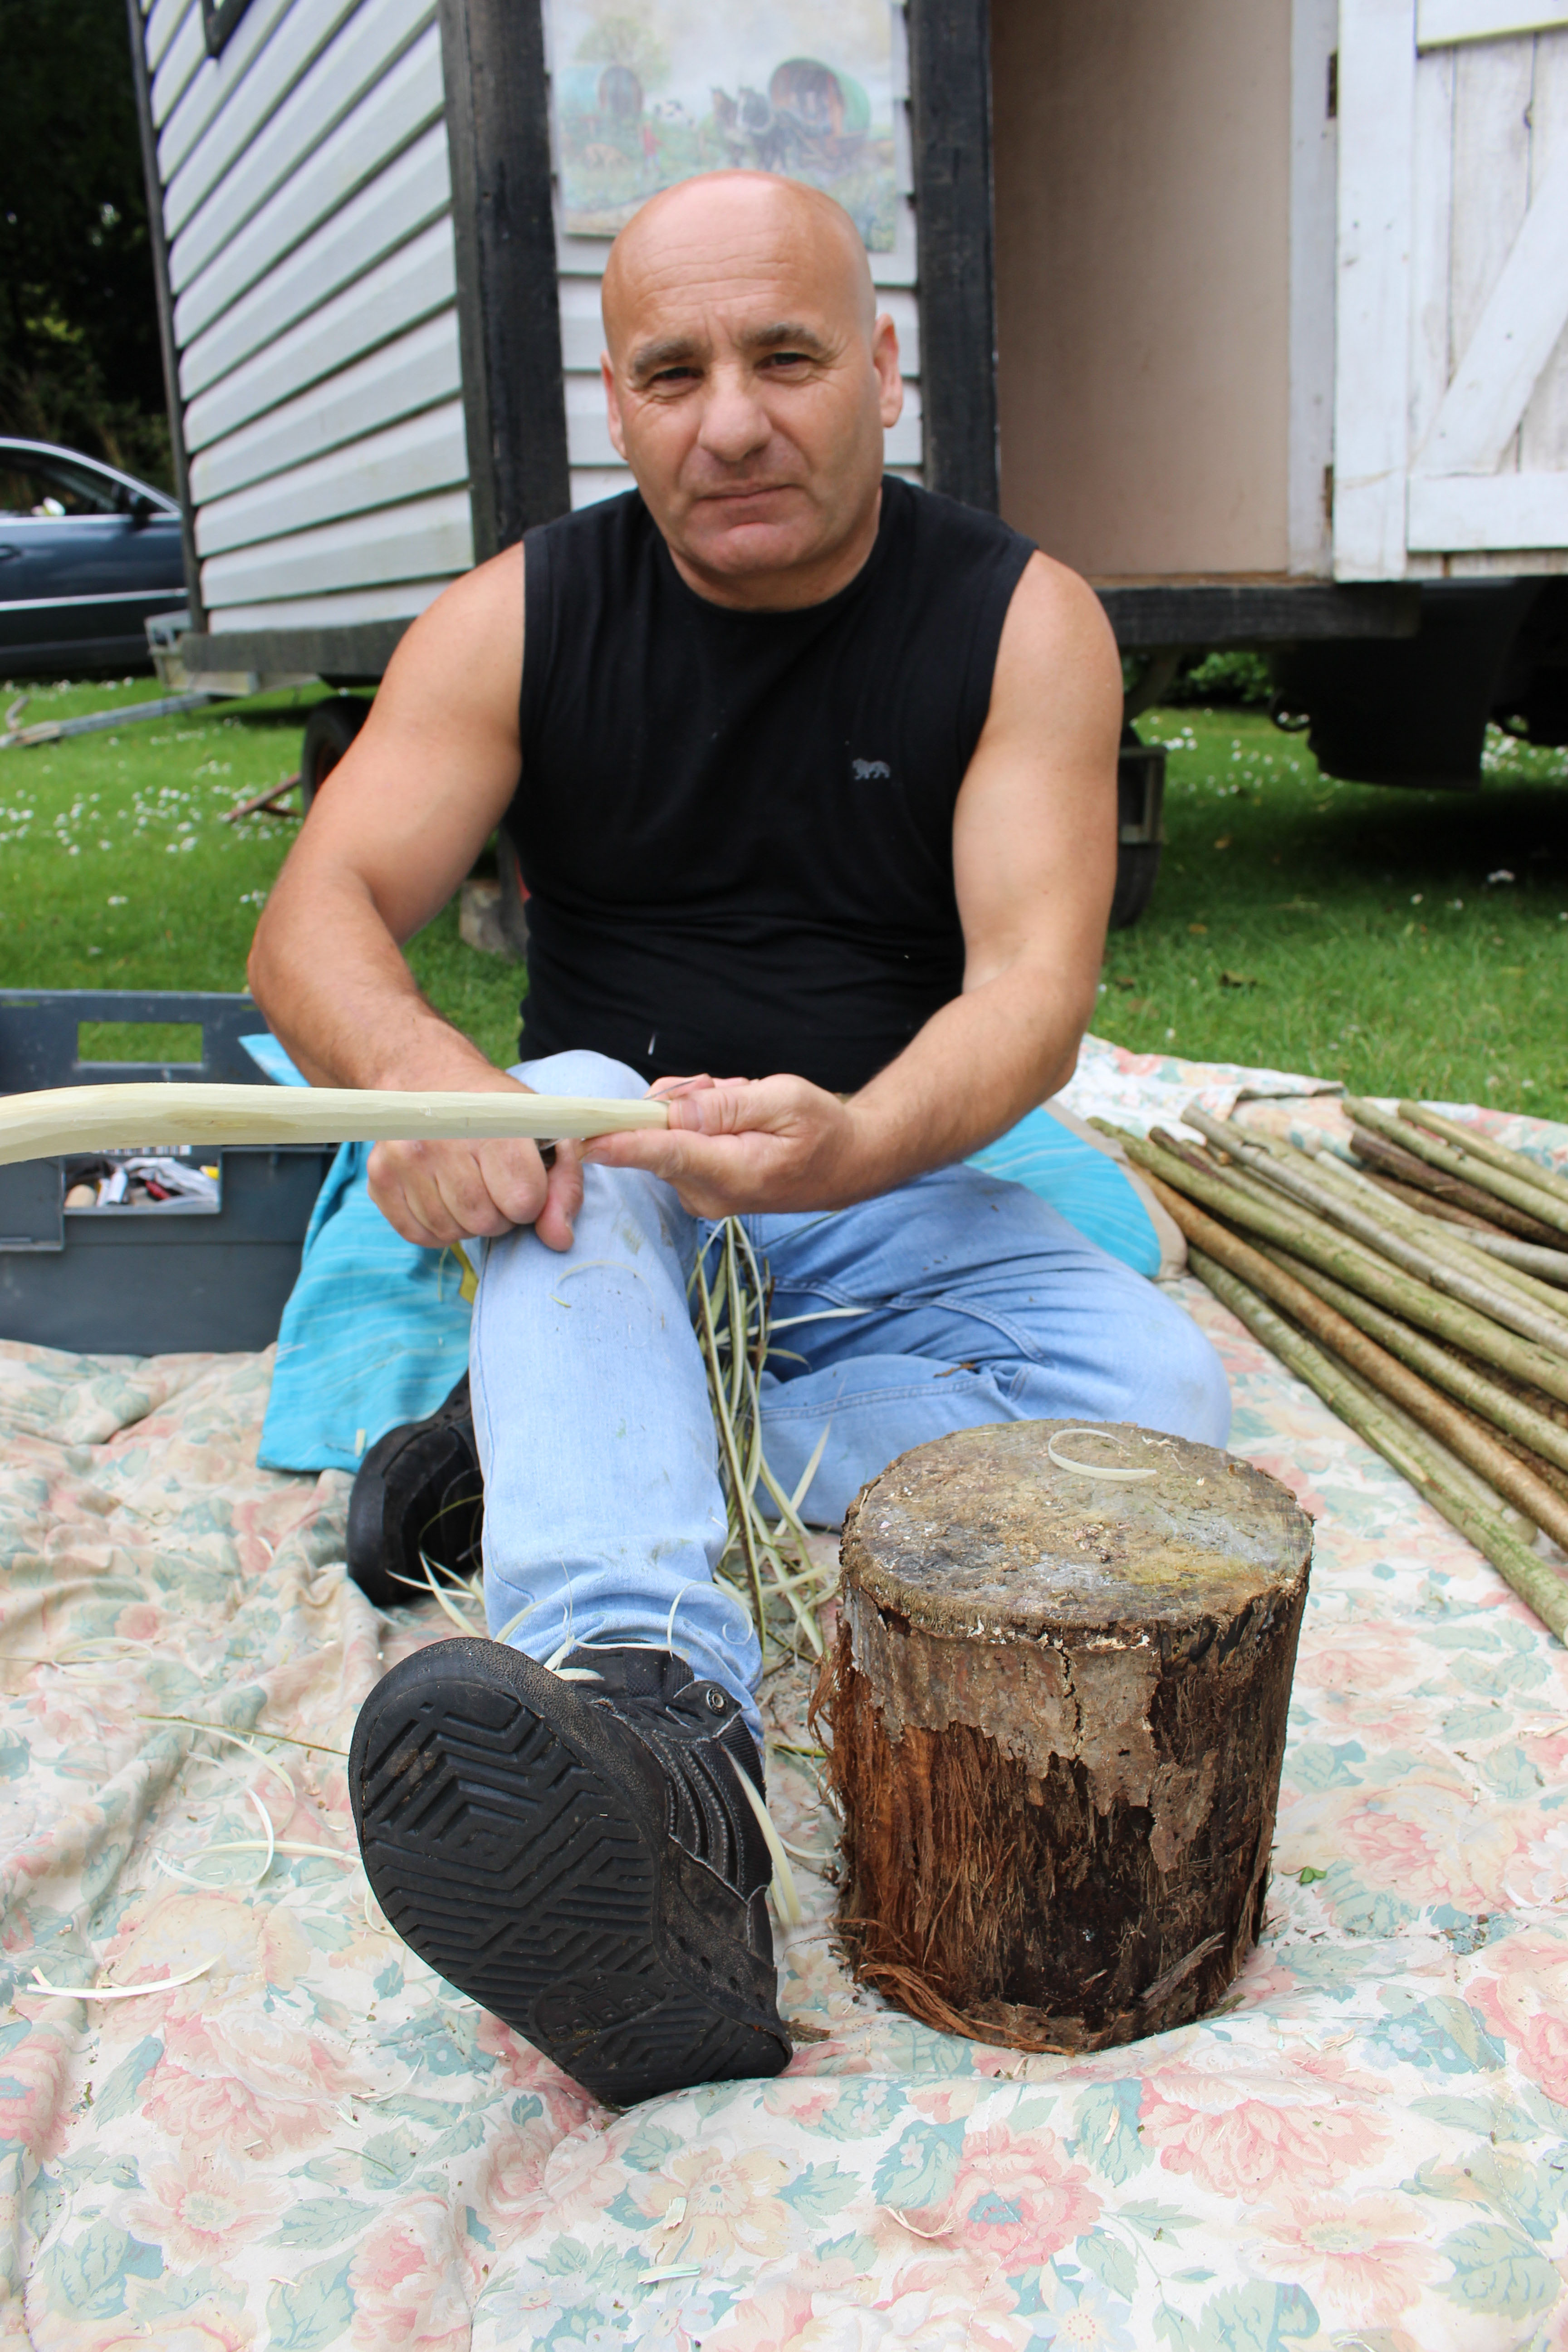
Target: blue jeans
{"type": "Point", "coordinates": [975, 1302]}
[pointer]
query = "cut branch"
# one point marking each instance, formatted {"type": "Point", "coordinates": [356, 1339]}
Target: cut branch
{"type": "Point", "coordinates": [1440, 1262]}
{"type": "Point", "coordinates": [1459, 1430]}
{"type": "Point", "coordinates": [1481, 1147]}
{"type": "Point", "coordinates": [1531, 1428]}
{"type": "Point", "coordinates": [1531, 1193]}
{"type": "Point", "coordinates": [1486, 1258]}
{"type": "Point", "coordinates": [1537, 1585]}
{"type": "Point", "coordinates": [263, 803]}
{"type": "Point", "coordinates": [1453, 1192]}
{"type": "Point", "coordinates": [1362, 1269]}
{"type": "Point", "coordinates": [124, 1118]}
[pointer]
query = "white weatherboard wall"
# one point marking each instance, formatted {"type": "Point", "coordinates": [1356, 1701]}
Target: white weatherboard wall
{"type": "Point", "coordinates": [306, 202]}
{"type": "Point", "coordinates": [1451, 378]}
{"type": "Point", "coordinates": [596, 471]}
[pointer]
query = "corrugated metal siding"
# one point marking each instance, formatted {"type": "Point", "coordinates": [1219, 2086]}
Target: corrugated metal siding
{"type": "Point", "coordinates": [306, 202]}
{"type": "Point", "coordinates": [596, 471]}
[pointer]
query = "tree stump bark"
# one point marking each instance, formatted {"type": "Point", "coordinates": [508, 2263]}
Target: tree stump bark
{"type": "Point", "coordinates": [1057, 1704]}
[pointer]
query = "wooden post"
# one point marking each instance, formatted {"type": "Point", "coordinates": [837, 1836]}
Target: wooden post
{"type": "Point", "coordinates": [508, 316]}
{"type": "Point", "coordinates": [950, 111]}
{"type": "Point", "coordinates": [1058, 1704]}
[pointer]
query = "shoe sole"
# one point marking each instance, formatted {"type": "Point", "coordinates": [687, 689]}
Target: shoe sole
{"type": "Point", "coordinates": [504, 1836]}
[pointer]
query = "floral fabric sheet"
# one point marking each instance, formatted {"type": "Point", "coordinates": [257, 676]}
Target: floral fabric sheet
{"type": "Point", "coordinates": [1144, 1090]}
{"type": "Point", "coordinates": [316, 2143]}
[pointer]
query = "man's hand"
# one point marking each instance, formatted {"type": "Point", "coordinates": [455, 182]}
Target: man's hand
{"type": "Point", "coordinates": [433, 1193]}
{"type": "Point", "coordinates": [437, 1192]}
{"type": "Point", "coordinates": [735, 1145]}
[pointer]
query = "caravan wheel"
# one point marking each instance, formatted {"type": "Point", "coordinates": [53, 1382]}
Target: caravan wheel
{"type": "Point", "coordinates": [329, 730]}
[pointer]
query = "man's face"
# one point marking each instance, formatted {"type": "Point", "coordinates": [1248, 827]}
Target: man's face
{"type": "Point", "coordinates": [749, 385]}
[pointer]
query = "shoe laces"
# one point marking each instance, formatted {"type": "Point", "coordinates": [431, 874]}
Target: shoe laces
{"type": "Point", "coordinates": [782, 1889]}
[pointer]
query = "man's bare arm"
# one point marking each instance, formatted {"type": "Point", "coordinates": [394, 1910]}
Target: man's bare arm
{"type": "Point", "coordinates": [1035, 865]}
{"type": "Point", "coordinates": [389, 840]}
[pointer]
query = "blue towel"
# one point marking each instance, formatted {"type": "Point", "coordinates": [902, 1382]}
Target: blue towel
{"type": "Point", "coordinates": [376, 1330]}
{"type": "Point", "coordinates": [269, 1056]}
{"type": "Point", "coordinates": [1084, 1183]}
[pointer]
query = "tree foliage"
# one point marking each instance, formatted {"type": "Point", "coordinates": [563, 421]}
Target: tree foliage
{"type": "Point", "coordinates": [79, 358]}
{"type": "Point", "coordinates": [626, 36]}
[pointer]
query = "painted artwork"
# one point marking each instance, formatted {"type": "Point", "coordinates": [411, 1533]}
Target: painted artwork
{"type": "Point", "coordinates": [650, 92]}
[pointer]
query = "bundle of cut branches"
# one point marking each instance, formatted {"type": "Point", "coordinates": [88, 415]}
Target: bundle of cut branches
{"type": "Point", "coordinates": [767, 1562]}
{"type": "Point", "coordinates": [1417, 1279]}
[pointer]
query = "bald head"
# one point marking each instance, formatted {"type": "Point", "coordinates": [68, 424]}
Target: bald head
{"type": "Point", "coordinates": [692, 230]}
{"type": "Point", "coordinates": [749, 382]}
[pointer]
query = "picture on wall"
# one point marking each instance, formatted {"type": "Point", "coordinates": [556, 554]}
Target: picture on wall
{"type": "Point", "coordinates": [649, 92]}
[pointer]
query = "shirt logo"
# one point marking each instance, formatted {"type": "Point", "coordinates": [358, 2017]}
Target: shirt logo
{"type": "Point", "coordinates": [864, 769]}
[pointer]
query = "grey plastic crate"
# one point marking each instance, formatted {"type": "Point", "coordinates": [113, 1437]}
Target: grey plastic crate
{"type": "Point", "coordinates": [147, 1282]}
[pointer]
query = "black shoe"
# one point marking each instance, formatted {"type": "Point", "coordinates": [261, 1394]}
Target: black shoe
{"type": "Point", "coordinates": [418, 1490]}
{"type": "Point", "coordinates": [578, 1852]}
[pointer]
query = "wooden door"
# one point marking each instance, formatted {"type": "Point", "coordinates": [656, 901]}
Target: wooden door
{"type": "Point", "coordinates": [1451, 366]}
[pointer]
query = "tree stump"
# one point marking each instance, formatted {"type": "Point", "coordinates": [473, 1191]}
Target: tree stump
{"type": "Point", "coordinates": [1058, 1704]}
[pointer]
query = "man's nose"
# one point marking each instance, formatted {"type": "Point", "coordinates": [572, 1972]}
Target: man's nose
{"type": "Point", "coordinates": [735, 425]}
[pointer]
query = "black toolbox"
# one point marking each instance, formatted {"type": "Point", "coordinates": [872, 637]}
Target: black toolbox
{"type": "Point", "coordinates": [159, 1280]}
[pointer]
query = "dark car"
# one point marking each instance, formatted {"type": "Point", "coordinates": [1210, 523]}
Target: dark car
{"type": "Point", "coordinates": [87, 555]}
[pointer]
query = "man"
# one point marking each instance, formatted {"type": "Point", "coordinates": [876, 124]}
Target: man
{"type": "Point", "coordinates": [811, 777]}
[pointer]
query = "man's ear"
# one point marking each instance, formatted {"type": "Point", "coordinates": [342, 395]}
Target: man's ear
{"type": "Point", "coordinates": [885, 359]}
{"type": "Point", "coordinates": [612, 405]}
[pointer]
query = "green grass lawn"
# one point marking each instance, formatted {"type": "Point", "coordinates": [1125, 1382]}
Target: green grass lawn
{"type": "Point", "coordinates": [120, 871]}
{"type": "Point", "coordinates": [1348, 930]}
{"type": "Point", "coordinates": [1340, 929]}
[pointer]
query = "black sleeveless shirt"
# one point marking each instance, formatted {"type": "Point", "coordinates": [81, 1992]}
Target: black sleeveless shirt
{"type": "Point", "coordinates": [737, 827]}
